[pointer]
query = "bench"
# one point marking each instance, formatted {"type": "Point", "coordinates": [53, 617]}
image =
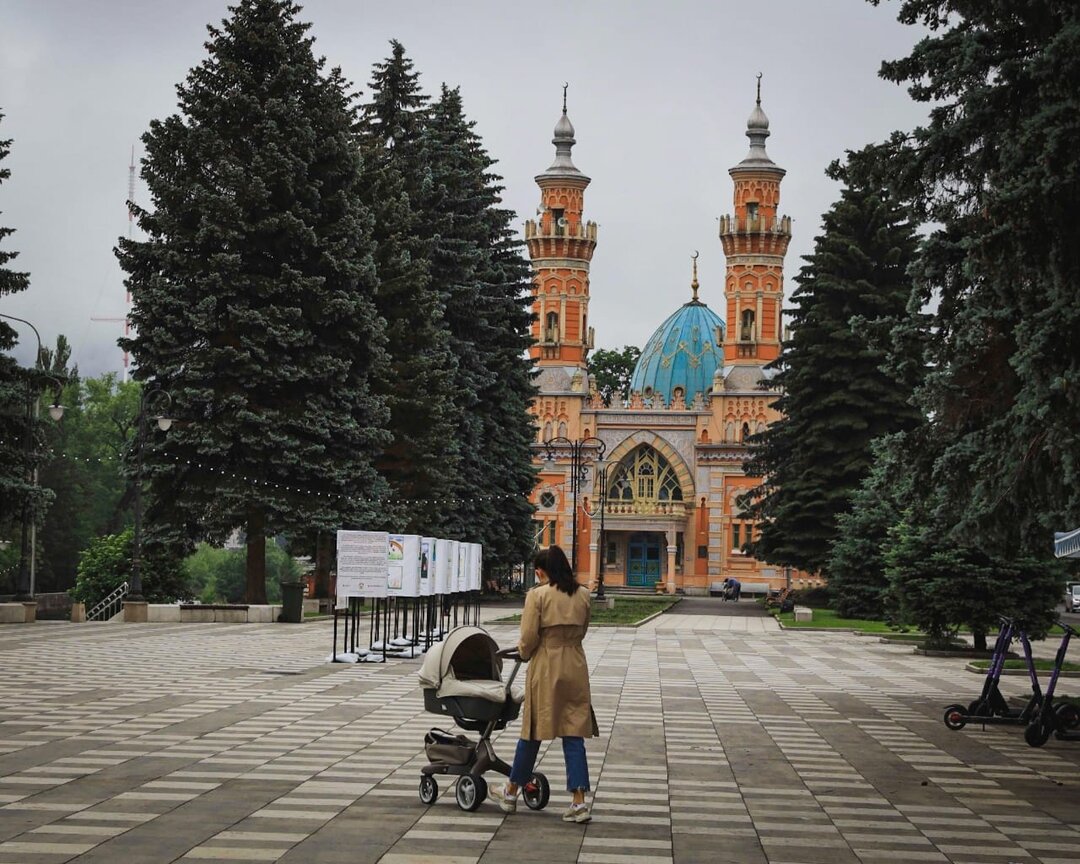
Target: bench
{"type": "Point", "coordinates": [777, 598]}
{"type": "Point", "coordinates": [755, 588]}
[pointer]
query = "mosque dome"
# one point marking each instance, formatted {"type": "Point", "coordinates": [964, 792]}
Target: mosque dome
{"type": "Point", "coordinates": [684, 352]}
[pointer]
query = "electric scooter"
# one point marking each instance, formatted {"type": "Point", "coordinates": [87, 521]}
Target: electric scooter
{"type": "Point", "coordinates": [991, 708]}
{"type": "Point", "coordinates": [1063, 719]}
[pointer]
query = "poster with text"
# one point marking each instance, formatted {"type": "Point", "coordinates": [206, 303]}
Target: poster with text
{"type": "Point", "coordinates": [403, 562]}
{"type": "Point", "coordinates": [428, 548]}
{"type": "Point", "coordinates": [443, 566]}
{"type": "Point", "coordinates": [361, 564]}
{"type": "Point", "coordinates": [455, 566]}
{"type": "Point", "coordinates": [476, 555]}
{"type": "Point", "coordinates": [463, 567]}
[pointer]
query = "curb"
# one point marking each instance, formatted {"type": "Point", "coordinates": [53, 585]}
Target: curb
{"type": "Point", "coordinates": [593, 624]}
{"type": "Point", "coordinates": [644, 620]}
{"type": "Point", "coordinates": [971, 667]}
{"type": "Point", "coordinates": [960, 655]}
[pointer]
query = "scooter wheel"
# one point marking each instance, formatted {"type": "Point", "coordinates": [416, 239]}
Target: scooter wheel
{"type": "Point", "coordinates": [955, 717]}
{"type": "Point", "coordinates": [470, 792]}
{"type": "Point", "coordinates": [1068, 716]}
{"type": "Point", "coordinates": [429, 789]}
{"type": "Point", "coordinates": [537, 792]}
{"type": "Point", "coordinates": [1037, 733]}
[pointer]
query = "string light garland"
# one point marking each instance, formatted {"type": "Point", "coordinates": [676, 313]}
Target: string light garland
{"type": "Point", "coordinates": [446, 502]}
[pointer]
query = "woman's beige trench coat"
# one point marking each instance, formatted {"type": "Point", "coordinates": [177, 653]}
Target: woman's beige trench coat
{"type": "Point", "coordinates": [557, 698]}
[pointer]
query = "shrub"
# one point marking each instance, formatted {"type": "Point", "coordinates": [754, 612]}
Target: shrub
{"type": "Point", "coordinates": [103, 566]}
{"type": "Point", "coordinates": [218, 575]}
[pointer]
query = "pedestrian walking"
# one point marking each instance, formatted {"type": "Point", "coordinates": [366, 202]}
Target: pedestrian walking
{"type": "Point", "coordinates": [558, 701]}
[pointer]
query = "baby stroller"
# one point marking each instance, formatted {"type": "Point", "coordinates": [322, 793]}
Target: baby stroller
{"type": "Point", "coordinates": [462, 678]}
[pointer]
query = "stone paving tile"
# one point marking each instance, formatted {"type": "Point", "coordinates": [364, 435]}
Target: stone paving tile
{"type": "Point", "coordinates": [722, 740]}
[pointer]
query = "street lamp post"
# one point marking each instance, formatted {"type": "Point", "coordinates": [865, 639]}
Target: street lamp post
{"type": "Point", "coordinates": [601, 467]}
{"type": "Point", "coordinates": [163, 422]}
{"type": "Point", "coordinates": [578, 468]}
{"type": "Point", "coordinates": [24, 590]}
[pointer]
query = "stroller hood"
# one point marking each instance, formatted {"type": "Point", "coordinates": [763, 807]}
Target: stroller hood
{"type": "Point", "coordinates": [466, 654]}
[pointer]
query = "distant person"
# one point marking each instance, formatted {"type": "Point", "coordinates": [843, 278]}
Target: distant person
{"type": "Point", "coordinates": [558, 703]}
{"type": "Point", "coordinates": [736, 589]}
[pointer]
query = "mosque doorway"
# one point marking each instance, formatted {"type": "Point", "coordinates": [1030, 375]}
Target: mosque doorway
{"type": "Point", "coordinates": [643, 559]}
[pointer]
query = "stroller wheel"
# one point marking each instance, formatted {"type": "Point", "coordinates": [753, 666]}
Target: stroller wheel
{"type": "Point", "coordinates": [537, 792]}
{"type": "Point", "coordinates": [471, 792]}
{"type": "Point", "coordinates": [955, 717]}
{"type": "Point", "coordinates": [429, 789]}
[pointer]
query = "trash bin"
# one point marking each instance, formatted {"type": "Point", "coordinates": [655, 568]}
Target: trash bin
{"type": "Point", "coordinates": [292, 602]}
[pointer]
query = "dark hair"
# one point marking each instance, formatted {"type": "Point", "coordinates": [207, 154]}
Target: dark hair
{"type": "Point", "coordinates": [553, 562]}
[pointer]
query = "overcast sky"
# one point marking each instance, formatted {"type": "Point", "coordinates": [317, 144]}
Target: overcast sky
{"type": "Point", "coordinates": [659, 95]}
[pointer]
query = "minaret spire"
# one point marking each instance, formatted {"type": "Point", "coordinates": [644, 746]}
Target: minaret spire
{"type": "Point", "coordinates": [758, 89]}
{"type": "Point", "coordinates": [561, 243]}
{"type": "Point", "coordinates": [694, 283]}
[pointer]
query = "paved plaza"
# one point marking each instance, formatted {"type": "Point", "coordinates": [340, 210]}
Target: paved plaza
{"type": "Point", "coordinates": [723, 740]}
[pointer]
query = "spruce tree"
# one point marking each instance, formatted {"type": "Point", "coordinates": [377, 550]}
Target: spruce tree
{"type": "Point", "coordinates": [997, 167]}
{"type": "Point", "coordinates": [476, 260]}
{"type": "Point", "coordinates": [421, 464]}
{"type": "Point", "coordinates": [13, 464]}
{"type": "Point", "coordinates": [835, 394]}
{"type": "Point", "coordinates": [858, 584]}
{"type": "Point", "coordinates": [253, 296]}
{"type": "Point", "coordinates": [22, 441]}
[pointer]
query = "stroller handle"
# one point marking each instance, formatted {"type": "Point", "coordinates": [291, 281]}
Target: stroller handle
{"type": "Point", "coordinates": [510, 654]}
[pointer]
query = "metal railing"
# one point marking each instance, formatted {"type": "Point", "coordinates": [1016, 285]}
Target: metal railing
{"type": "Point", "coordinates": [110, 606]}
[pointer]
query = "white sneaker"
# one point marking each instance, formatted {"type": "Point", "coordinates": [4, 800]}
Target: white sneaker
{"type": "Point", "coordinates": [578, 813]}
{"type": "Point", "coordinates": [507, 802]}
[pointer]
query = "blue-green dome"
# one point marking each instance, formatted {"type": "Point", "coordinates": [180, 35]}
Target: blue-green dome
{"type": "Point", "coordinates": [683, 352]}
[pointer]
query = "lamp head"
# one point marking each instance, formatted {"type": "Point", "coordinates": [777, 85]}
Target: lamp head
{"type": "Point", "coordinates": [56, 412]}
{"type": "Point", "coordinates": [164, 423]}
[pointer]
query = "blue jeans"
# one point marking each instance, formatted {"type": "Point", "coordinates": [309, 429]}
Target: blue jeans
{"type": "Point", "coordinates": [577, 767]}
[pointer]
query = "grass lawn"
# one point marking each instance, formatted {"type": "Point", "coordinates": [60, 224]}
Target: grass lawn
{"type": "Point", "coordinates": [1043, 665]}
{"type": "Point", "coordinates": [628, 610]}
{"type": "Point", "coordinates": [829, 619]}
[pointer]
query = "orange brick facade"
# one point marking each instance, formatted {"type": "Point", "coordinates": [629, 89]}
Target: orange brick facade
{"type": "Point", "coordinates": [674, 458]}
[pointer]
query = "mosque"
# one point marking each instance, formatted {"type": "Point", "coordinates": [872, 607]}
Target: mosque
{"type": "Point", "coordinates": [666, 466]}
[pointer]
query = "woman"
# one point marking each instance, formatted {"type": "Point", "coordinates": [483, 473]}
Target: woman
{"type": "Point", "coordinates": [557, 699]}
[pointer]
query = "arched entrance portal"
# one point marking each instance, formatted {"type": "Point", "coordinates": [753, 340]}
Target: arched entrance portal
{"type": "Point", "coordinates": [643, 558]}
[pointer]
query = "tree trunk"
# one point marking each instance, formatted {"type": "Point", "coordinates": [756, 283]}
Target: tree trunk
{"type": "Point", "coordinates": [255, 592]}
{"type": "Point", "coordinates": [979, 637]}
{"type": "Point", "coordinates": [324, 556]}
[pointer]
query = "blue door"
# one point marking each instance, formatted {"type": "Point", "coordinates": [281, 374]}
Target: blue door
{"type": "Point", "coordinates": [643, 560]}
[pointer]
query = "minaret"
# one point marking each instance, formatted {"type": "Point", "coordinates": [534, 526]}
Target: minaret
{"type": "Point", "coordinates": [561, 246]}
{"type": "Point", "coordinates": [755, 240]}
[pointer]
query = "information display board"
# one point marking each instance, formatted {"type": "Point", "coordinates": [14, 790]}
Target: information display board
{"type": "Point", "coordinates": [428, 550]}
{"type": "Point", "coordinates": [462, 567]}
{"type": "Point", "coordinates": [403, 566]}
{"type": "Point", "coordinates": [455, 566]}
{"type": "Point", "coordinates": [444, 560]}
{"type": "Point", "coordinates": [361, 564]}
{"type": "Point", "coordinates": [476, 556]}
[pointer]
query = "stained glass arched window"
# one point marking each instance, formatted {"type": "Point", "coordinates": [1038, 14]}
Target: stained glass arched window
{"type": "Point", "coordinates": [644, 475]}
